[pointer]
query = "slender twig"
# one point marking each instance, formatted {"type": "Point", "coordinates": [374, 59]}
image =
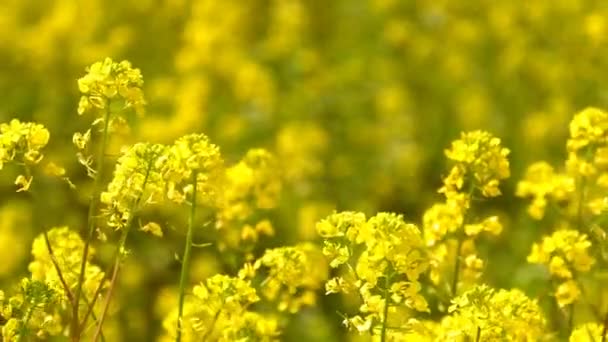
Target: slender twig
{"type": "Point", "coordinates": [26, 320]}
{"type": "Point", "coordinates": [571, 318]}
{"type": "Point", "coordinates": [457, 265]}
{"type": "Point", "coordinates": [95, 320]}
{"type": "Point", "coordinates": [66, 288]}
{"type": "Point", "coordinates": [186, 259]}
{"type": "Point", "coordinates": [460, 238]}
{"type": "Point", "coordinates": [117, 259]}
{"type": "Point", "coordinates": [212, 325]}
{"type": "Point", "coordinates": [386, 305]}
{"type": "Point", "coordinates": [98, 330]}
{"type": "Point", "coordinates": [605, 328]}
{"type": "Point", "coordinates": [75, 324]}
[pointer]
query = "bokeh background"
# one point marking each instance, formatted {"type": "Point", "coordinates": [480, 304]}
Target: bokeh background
{"type": "Point", "coordinates": [358, 99]}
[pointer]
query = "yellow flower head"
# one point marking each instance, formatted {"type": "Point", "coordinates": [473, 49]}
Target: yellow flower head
{"type": "Point", "coordinates": [479, 159]}
{"type": "Point", "coordinates": [68, 249]}
{"type": "Point", "coordinates": [569, 246]}
{"type": "Point", "coordinates": [22, 143]}
{"type": "Point", "coordinates": [30, 311]}
{"type": "Point", "coordinates": [588, 127]}
{"type": "Point", "coordinates": [109, 81]}
{"type": "Point", "coordinates": [498, 315]}
{"type": "Point", "coordinates": [542, 183]}
{"type": "Point", "coordinates": [138, 179]}
{"type": "Point", "coordinates": [440, 220]}
{"type": "Point", "coordinates": [193, 155]}
{"type": "Point", "coordinates": [253, 183]}
{"type": "Point", "coordinates": [292, 275]}
{"type": "Point", "coordinates": [565, 253]}
{"type": "Point", "coordinates": [588, 332]}
{"type": "Point", "coordinates": [218, 310]}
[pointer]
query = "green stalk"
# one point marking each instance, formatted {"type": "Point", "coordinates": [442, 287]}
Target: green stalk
{"type": "Point", "coordinates": [106, 305]}
{"type": "Point", "coordinates": [386, 299]}
{"type": "Point", "coordinates": [461, 236]}
{"type": "Point", "coordinates": [457, 265]}
{"type": "Point", "coordinates": [75, 324]}
{"type": "Point", "coordinates": [605, 328]}
{"type": "Point", "coordinates": [26, 320]}
{"type": "Point", "coordinates": [117, 258]}
{"type": "Point", "coordinates": [186, 259]}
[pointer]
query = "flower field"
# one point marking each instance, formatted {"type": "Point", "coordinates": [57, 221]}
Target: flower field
{"type": "Point", "coordinates": [303, 170]}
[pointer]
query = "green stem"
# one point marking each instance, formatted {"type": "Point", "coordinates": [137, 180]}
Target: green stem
{"type": "Point", "coordinates": [186, 259]}
{"type": "Point", "coordinates": [106, 305]}
{"type": "Point", "coordinates": [386, 299]}
{"type": "Point", "coordinates": [117, 257]}
{"type": "Point", "coordinates": [461, 236]}
{"type": "Point", "coordinates": [571, 319]}
{"type": "Point", "coordinates": [478, 336]}
{"type": "Point", "coordinates": [212, 325]}
{"type": "Point", "coordinates": [605, 328]}
{"type": "Point", "coordinates": [26, 320]}
{"type": "Point", "coordinates": [75, 324]}
{"type": "Point", "coordinates": [457, 266]}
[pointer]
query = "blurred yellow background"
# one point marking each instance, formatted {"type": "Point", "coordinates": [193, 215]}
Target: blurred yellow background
{"type": "Point", "coordinates": [357, 99]}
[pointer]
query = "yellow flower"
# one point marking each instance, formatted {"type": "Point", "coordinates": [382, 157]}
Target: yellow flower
{"type": "Point", "coordinates": [292, 275]}
{"type": "Point", "coordinates": [194, 154]}
{"type": "Point", "coordinates": [480, 160]}
{"type": "Point", "coordinates": [588, 332]}
{"type": "Point", "coordinates": [567, 293]}
{"type": "Point", "coordinates": [21, 143]}
{"type": "Point", "coordinates": [588, 127]}
{"type": "Point", "coordinates": [347, 223]}
{"type": "Point", "coordinates": [542, 183]}
{"type": "Point", "coordinates": [138, 180]}
{"type": "Point", "coordinates": [107, 81]}
{"type": "Point", "coordinates": [68, 249]}
{"type": "Point", "coordinates": [496, 315]}
{"type": "Point", "coordinates": [219, 310]}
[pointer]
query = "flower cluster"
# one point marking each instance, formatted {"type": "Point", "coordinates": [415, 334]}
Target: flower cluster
{"type": "Point", "coordinates": [588, 332]}
{"type": "Point", "coordinates": [21, 143]}
{"type": "Point", "coordinates": [485, 314]}
{"type": "Point", "coordinates": [138, 180]}
{"type": "Point", "coordinates": [194, 160]}
{"type": "Point", "coordinates": [384, 257]}
{"type": "Point", "coordinates": [292, 275]}
{"type": "Point", "coordinates": [67, 247]}
{"type": "Point", "coordinates": [542, 183]}
{"type": "Point", "coordinates": [108, 81]}
{"type": "Point", "coordinates": [449, 228]}
{"type": "Point", "coordinates": [252, 185]}
{"type": "Point", "coordinates": [218, 311]}
{"type": "Point", "coordinates": [566, 253]}
{"type": "Point", "coordinates": [29, 312]}
{"type": "Point", "coordinates": [480, 163]}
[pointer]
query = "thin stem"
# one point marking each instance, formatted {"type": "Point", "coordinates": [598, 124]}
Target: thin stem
{"type": "Point", "coordinates": [117, 255]}
{"type": "Point", "coordinates": [26, 320]}
{"type": "Point", "coordinates": [106, 304]}
{"type": "Point", "coordinates": [386, 299]}
{"type": "Point", "coordinates": [212, 326]}
{"type": "Point", "coordinates": [605, 328]}
{"type": "Point", "coordinates": [571, 319]}
{"type": "Point", "coordinates": [66, 288]}
{"type": "Point", "coordinates": [457, 265]}
{"type": "Point", "coordinates": [90, 304]}
{"type": "Point", "coordinates": [461, 236]}
{"type": "Point", "coordinates": [75, 324]}
{"type": "Point", "coordinates": [186, 259]}
{"type": "Point", "coordinates": [478, 336]}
